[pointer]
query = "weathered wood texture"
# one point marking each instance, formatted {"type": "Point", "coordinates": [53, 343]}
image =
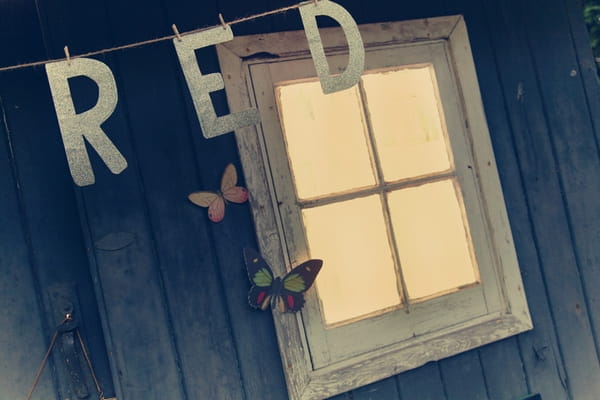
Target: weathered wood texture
{"type": "Point", "coordinates": [45, 244]}
{"type": "Point", "coordinates": [161, 291]}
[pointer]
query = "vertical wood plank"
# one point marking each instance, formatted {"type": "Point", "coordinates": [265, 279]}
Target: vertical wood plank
{"type": "Point", "coordinates": [551, 225]}
{"type": "Point", "coordinates": [288, 21]}
{"type": "Point", "coordinates": [534, 125]}
{"type": "Point", "coordinates": [397, 11]}
{"type": "Point", "coordinates": [253, 332]}
{"type": "Point", "coordinates": [587, 64]}
{"type": "Point", "coordinates": [423, 383]}
{"type": "Point", "coordinates": [232, 10]}
{"type": "Point", "coordinates": [48, 207]}
{"type": "Point", "coordinates": [544, 373]}
{"type": "Point", "coordinates": [501, 362]}
{"type": "Point", "coordinates": [463, 377]}
{"type": "Point", "coordinates": [72, 24]}
{"type": "Point", "coordinates": [140, 326]}
{"type": "Point", "coordinates": [25, 334]}
{"type": "Point", "coordinates": [167, 166]}
{"type": "Point", "coordinates": [343, 396]}
{"type": "Point", "coordinates": [291, 21]}
{"type": "Point", "coordinates": [503, 370]}
{"type": "Point", "coordinates": [571, 133]}
{"type": "Point", "coordinates": [385, 389]}
{"type": "Point", "coordinates": [142, 348]}
{"type": "Point", "coordinates": [571, 122]}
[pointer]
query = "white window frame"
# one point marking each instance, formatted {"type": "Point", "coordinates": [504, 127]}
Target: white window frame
{"type": "Point", "coordinates": [311, 377]}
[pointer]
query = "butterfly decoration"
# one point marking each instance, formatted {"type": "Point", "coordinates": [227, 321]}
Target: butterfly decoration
{"type": "Point", "coordinates": [287, 293]}
{"type": "Point", "coordinates": [215, 201]}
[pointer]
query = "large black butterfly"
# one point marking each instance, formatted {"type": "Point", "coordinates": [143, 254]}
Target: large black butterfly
{"type": "Point", "coordinates": [285, 293]}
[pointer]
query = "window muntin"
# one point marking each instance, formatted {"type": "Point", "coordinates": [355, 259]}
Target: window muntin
{"type": "Point", "coordinates": [394, 116]}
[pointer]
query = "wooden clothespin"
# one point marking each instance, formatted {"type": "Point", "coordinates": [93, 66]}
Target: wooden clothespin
{"type": "Point", "coordinates": [222, 21]}
{"type": "Point", "coordinates": [176, 31]}
{"type": "Point", "coordinates": [67, 54]}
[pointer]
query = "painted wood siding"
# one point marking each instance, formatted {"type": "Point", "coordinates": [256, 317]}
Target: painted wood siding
{"type": "Point", "coordinates": [161, 290]}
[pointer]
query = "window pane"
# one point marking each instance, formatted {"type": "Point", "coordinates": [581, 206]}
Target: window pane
{"type": "Point", "coordinates": [432, 239]}
{"type": "Point", "coordinates": [325, 139]}
{"type": "Point", "coordinates": [358, 275]}
{"type": "Point", "coordinates": [407, 122]}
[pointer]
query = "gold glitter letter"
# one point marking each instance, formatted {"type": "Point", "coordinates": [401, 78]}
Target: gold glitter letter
{"type": "Point", "coordinates": [356, 56]}
{"type": "Point", "coordinates": [74, 127]}
{"type": "Point", "coordinates": [200, 85]}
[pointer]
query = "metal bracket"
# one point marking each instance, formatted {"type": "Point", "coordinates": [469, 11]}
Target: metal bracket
{"type": "Point", "coordinates": [71, 357]}
{"type": "Point", "coordinates": [65, 302]}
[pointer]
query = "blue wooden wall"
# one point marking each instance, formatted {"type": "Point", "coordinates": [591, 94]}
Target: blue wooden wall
{"type": "Point", "coordinates": [161, 291]}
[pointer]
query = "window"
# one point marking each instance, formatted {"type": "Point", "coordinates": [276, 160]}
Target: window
{"type": "Point", "coordinates": [372, 170]}
{"type": "Point", "coordinates": [393, 183]}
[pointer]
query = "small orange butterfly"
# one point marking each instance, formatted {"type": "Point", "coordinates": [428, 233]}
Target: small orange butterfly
{"type": "Point", "coordinates": [215, 201]}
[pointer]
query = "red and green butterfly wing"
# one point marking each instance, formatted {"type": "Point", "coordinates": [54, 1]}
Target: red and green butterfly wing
{"type": "Point", "coordinates": [261, 277]}
{"type": "Point", "coordinates": [286, 294]}
{"type": "Point", "coordinates": [295, 283]}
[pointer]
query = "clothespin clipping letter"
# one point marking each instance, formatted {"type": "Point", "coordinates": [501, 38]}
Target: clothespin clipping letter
{"type": "Point", "coordinates": [200, 85]}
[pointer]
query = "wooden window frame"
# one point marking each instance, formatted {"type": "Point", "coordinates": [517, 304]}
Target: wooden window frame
{"type": "Point", "coordinates": [304, 380]}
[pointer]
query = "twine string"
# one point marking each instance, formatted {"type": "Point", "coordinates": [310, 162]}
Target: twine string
{"type": "Point", "coordinates": [38, 374]}
{"type": "Point", "coordinates": [89, 363]}
{"type": "Point", "coordinates": [42, 366]}
{"type": "Point", "coordinates": [156, 40]}
{"type": "Point", "coordinates": [86, 355]}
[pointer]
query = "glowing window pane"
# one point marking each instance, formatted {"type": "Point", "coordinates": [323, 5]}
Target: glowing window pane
{"type": "Point", "coordinates": [358, 277]}
{"type": "Point", "coordinates": [325, 137]}
{"type": "Point", "coordinates": [407, 122]}
{"type": "Point", "coordinates": [432, 239]}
